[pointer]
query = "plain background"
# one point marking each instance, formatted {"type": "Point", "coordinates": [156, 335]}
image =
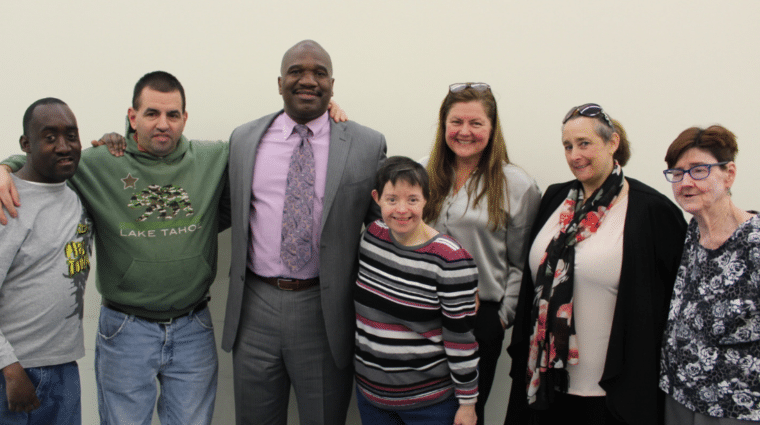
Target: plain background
{"type": "Point", "coordinates": [658, 66]}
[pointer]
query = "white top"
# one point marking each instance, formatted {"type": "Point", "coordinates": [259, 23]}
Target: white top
{"type": "Point", "coordinates": [598, 261]}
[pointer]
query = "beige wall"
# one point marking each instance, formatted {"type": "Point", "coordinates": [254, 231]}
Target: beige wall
{"type": "Point", "coordinates": [657, 66]}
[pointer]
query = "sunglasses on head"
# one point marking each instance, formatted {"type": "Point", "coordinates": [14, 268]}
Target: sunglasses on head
{"type": "Point", "coordinates": [591, 110]}
{"type": "Point", "coordinates": [457, 87]}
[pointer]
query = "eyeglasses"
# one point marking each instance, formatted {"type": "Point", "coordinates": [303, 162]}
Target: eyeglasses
{"type": "Point", "coordinates": [591, 110]}
{"type": "Point", "coordinates": [457, 87]}
{"type": "Point", "coordinates": [697, 172]}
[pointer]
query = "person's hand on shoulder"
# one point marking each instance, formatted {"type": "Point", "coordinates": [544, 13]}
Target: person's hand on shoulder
{"type": "Point", "coordinates": [336, 112]}
{"type": "Point", "coordinates": [116, 143]}
{"type": "Point", "coordinates": [8, 195]}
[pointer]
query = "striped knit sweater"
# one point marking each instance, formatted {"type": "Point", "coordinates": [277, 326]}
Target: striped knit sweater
{"type": "Point", "coordinates": [415, 312]}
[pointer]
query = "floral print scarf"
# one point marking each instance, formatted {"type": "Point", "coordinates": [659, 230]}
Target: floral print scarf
{"type": "Point", "coordinates": [553, 344]}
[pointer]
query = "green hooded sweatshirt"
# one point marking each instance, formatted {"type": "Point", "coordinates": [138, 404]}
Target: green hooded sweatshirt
{"type": "Point", "coordinates": [156, 221]}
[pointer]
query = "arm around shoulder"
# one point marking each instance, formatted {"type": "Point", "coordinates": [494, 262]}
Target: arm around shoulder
{"type": "Point", "coordinates": [9, 198]}
{"type": "Point", "coordinates": [225, 206]}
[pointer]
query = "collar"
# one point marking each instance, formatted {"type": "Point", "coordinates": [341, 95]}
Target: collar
{"type": "Point", "coordinates": [318, 126]}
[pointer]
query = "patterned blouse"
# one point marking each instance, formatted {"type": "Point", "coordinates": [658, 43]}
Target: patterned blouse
{"type": "Point", "coordinates": [711, 348]}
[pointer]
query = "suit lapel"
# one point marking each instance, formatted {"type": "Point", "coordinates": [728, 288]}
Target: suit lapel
{"type": "Point", "coordinates": [340, 144]}
{"type": "Point", "coordinates": [248, 158]}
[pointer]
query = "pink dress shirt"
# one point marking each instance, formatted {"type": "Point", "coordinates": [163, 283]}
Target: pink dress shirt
{"type": "Point", "coordinates": [270, 172]}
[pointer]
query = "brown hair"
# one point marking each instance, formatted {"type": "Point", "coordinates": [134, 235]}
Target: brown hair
{"type": "Point", "coordinates": [603, 130]}
{"type": "Point", "coordinates": [440, 166]}
{"type": "Point", "coordinates": [716, 139]}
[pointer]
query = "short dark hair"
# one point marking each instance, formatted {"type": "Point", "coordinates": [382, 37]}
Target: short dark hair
{"type": "Point", "coordinates": [30, 111]}
{"type": "Point", "coordinates": [403, 168]}
{"type": "Point", "coordinates": [716, 139]}
{"type": "Point", "coordinates": [159, 81]}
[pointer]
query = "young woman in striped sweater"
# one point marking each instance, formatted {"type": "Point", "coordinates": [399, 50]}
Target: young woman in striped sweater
{"type": "Point", "coordinates": [416, 355]}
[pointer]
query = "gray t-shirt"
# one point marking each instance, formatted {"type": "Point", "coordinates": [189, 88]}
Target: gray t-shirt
{"type": "Point", "coordinates": [44, 263]}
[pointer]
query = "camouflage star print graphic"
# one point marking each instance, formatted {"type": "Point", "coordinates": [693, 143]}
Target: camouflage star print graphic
{"type": "Point", "coordinates": [167, 201]}
{"type": "Point", "coordinates": [129, 181]}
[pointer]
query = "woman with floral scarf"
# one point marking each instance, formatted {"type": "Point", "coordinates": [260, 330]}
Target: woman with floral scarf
{"type": "Point", "coordinates": [603, 258]}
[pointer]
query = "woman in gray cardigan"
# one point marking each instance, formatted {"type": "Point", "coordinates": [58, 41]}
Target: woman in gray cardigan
{"type": "Point", "coordinates": [487, 204]}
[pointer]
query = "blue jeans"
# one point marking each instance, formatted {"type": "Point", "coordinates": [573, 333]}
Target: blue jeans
{"type": "Point", "coordinates": [59, 392]}
{"type": "Point", "coordinates": [438, 414]}
{"type": "Point", "coordinates": [132, 353]}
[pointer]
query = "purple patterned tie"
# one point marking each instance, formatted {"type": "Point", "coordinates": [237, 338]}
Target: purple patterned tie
{"type": "Point", "coordinates": [297, 217]}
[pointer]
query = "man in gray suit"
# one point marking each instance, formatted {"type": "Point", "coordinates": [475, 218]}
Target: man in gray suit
{"type": "Point", "coordinates": [295, 325]}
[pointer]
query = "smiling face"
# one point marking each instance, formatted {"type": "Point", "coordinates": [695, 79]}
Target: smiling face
{"type": "Point", "coordinates": [590, 158]}
{"type": "Point", "coordinates": [159, 121]}
{"type": "Point", "coordinates": [52, 145]}
{"type": "Point", "coordinates": [698, 196]}
{"type": "Point", "coordinates": [306, 82]}
{"type": "Point", "coordinates": [468, 131]}
{"type": "Point", "coordinates": [401, 207]}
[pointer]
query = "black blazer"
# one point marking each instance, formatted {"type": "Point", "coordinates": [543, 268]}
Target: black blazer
{"type": "Point", "coordinates": [652, 243]}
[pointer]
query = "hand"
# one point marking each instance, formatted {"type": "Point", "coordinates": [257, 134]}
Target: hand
{"type": "Point", "coordinates": [466, 415]}
{"type": "Point", "coordinates": [336, 112]}
{"type": "Point", "coordinates": [19, 389]}
{"type": "Point", "coordinates": [477, 301]}
{"type": "Point", "coordinates": [503, 325]}
{"type": "Point", "coordinates": [8, 195]}
{"type": "Point", "coordinates": [116, 143]}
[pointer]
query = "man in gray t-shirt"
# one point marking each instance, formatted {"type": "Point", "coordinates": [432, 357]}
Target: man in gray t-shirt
{"type": "Point", "coordinates": [44, 263]}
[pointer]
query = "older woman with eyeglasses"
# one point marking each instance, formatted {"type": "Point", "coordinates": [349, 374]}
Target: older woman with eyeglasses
{"type": "Point", "coordinates": [487, 204]}
{"type": "Point", "coordinates": [711, 348]}
{"type": "Point", "coordinates": [602, 261]}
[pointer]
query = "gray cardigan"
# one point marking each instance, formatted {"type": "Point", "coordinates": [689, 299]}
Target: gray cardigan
{"type": "Point", "coordinates": [500, 255]}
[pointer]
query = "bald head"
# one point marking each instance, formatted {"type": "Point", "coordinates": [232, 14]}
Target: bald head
{"type": "Point", "coordinates": [305, 46]}
{"type": "Point", "coordinates": [305, 81]}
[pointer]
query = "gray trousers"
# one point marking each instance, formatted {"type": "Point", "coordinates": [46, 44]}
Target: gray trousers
{"type": "Point", "coordinates": [281, 341]}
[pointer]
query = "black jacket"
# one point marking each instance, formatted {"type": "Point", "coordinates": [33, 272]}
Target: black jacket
{"type": "Point", "coordinates": [652, 243]}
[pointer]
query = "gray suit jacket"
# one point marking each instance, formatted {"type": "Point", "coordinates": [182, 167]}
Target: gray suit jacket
{"type": "Point", "coordinates": [354, 155]}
